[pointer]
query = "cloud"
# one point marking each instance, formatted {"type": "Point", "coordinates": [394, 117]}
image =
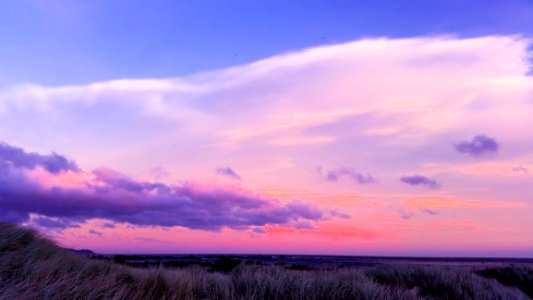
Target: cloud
{"type": "Point", "coordinates": [340, 173]}
{"type": "Point", "coordinates": [278, 99]}
{"type": "Point", "coordinates": [110, 195]}
{"type": "Point", "coordinates": [228, 172]}
{"type": "Point", "coordinates": [374, 118]}
{"type": "Point", "coordinates": [159, 173]}
{"type": "Point", "coordinates": [479, 145]}
{"type": "Point", "coordinates": [108, 225]}
{"type": "Point", "coordinates": [53, 163]}
{"type": "Point", "coordinates": [258, 229]}
{"type": "Point", "coordinates": [521, 169]}
{"type": "Point", "coordinates": [429, 211]}
{"type": "Point", "coordinates": [409, 214]}
{"type": "Point", "coordinates": [96, 233]}
{"type": "Point", "coordinates": [151, 240]}
{"type": "Point", "coordinates": [52, 223]}
{"type": "Point", "coordinates": [304, 225]}
{"type": "Point", "coordinates": [420, 180]}
{"type": "Point", "coordinates": [336, 213]}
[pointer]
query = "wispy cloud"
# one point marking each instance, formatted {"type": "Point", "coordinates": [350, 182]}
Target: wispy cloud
{"type": "Point", "coordinates": [339, 214]}
{"type": "Point", "coordinates": [409, 214]}
{"type": "Point", "coordinates": [348, 173]}
{"type": "Point", "coordinates": [521, 169]}
{"type": "Point", "coordinates": [228, 172]}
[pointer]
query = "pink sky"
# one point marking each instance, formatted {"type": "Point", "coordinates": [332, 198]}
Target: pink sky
{"type": "Point", "coordinates": [415, 146]}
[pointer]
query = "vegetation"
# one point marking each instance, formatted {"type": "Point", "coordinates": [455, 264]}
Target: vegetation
{"type": "Point", "coordinates": [33, 267]}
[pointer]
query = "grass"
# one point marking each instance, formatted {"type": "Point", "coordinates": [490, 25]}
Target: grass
{"type": "Point", "coordinates": [33, 267]}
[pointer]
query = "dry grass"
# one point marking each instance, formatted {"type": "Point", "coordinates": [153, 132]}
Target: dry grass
{"type": "Point", "coordinates": [32, 267]}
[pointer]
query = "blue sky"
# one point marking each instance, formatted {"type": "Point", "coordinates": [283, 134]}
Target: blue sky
{"type": "Point", "coordinates": [76, 42]}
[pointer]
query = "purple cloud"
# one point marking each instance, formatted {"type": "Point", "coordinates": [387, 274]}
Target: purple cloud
{"type": "Point", "coordinates": [53, 163]}
{"type": "Point", "coordinates": [159, 173]}
{"type": "Point", "coordinates": [336, 213]}
{"type": "Point", "coordinates": [258, 229]}
{"type": "Point", "coordinates": [228, 172]}
{"type": "Point", "coordinates": [115, 197]}
{"type": "Point", "coordinates": [479, 145]}
{"type": "Point", "coordinates": [94, 232]}
{"type": "Point", "coordinates": [336, 175]}
{"type": "Point", "coordinates": [429, 211]}
{"type": "Point", "coordinates": [420, 180]}
{"type": "Point", "coordinates": [108, 225]}
{"type": "Point", "coordinates": [304, 225]}
{"type": "Point", "coordinates": [52, 223]}
{"type": "Point", "coordinates": [521, 169]}
{"type": "Point", "coordinates": [407, 215]}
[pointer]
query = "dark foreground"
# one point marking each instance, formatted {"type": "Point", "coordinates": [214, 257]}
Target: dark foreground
{"type": "Point", "coordinates": [32, 267]}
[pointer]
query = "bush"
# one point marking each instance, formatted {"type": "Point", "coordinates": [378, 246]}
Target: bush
{"type": "Point", "coordinates": [225, 264]}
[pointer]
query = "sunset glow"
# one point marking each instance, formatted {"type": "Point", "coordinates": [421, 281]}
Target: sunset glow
{"type": "Point", "coordinates": [411, 143]}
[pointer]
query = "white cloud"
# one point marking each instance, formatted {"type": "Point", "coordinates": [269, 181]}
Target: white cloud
{"type": "Point", "coordinates": [363, 102]}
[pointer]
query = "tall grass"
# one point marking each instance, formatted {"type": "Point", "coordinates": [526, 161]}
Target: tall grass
{"type": "Point", "coordinates": [32, 267]}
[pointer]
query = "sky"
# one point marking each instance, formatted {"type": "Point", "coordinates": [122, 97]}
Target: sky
{"type": "Point", "coordinates": [305, 127]}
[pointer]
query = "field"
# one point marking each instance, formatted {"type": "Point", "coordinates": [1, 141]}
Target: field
{"type": "Point", "coordinates": [33, 267]}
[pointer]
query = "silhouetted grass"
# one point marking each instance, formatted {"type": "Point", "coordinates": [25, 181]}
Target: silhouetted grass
{"type": "Point", "coordinates": [517, 276]}
{"type": "Point", "coordinates": [443, 282]}
{"type": "Point", "coordinates": [32, 267]}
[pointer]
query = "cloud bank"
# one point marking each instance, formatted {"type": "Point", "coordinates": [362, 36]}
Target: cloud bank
{"type": "Point", "coordinates": [62, 195]}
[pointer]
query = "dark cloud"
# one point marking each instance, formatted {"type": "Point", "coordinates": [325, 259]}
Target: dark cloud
{"type": "Point", "coordinates": [228, 172]}
{"type": "Point", "coordinates": [53, 163]}
{"type": "Point", "coordinates": [420, 180]}
{"type": "Point", "coordinates": [478, 146]}
{"type": "Point", "coordinates": [337, 174]}
{"type": "Point", "coordinates": [13, 216]}
{"type": "Point", "coordinates": [53, 223]}
{"type": "Point", "coordinates": [115, 197]}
